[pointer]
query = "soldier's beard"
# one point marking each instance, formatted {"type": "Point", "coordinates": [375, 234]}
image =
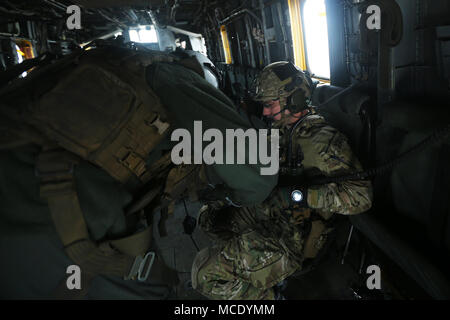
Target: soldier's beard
{"type": "Point", "coordinates": [278, 115]}
{"type": "Point", "coordinates": [287, 119]}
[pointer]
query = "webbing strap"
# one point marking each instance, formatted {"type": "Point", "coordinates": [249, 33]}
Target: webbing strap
{"type": "Point", "coordinates": [66, 212]}
{"type": "Point", "coordinates": [92, 259]}
{"type": "Point", "coordinates": [134, 245]}
{"type": "Point", "coordinates": [116, 257]}
{"type": "Point", "coordinates": [55, 168]}
{"type": "Point", "coordinates": [93, 264]}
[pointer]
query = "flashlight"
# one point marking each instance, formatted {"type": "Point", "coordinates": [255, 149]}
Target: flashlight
{"type": "Point", "coordinates": [297, 196]}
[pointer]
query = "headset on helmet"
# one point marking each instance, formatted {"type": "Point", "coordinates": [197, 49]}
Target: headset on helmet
{"type": "Point", "coordinates": [284, 81]}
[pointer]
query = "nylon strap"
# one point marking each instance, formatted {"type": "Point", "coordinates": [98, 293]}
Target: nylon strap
{"type": "Point", "coordinates": [114, 258]}
{"type": "Point", "coordinates": [58, 187]}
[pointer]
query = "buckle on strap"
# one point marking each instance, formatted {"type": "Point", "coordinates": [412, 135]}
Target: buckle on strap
{"type": "Point", "coordinates": [134, 162]}
{"type": "Point", "coordinates": [139, 270]}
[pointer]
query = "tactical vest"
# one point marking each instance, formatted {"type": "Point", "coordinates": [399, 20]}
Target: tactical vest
{"type": "Point", "coordinates": [94, 105]}
{"type": "Point", "coordinates": [292, 163]}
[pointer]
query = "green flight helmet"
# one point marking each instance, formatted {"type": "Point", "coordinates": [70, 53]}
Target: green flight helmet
{"type": "Point", "coordinates": [285, 82]}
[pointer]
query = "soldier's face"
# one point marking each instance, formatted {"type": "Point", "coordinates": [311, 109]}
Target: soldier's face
{"type": "Point", "coordinates": [272, 109]}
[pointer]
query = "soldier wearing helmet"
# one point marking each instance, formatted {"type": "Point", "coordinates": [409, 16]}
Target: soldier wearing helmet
{"type": "Point", "coordinates": [260, 246]}
{"type": "Point", "coordinates": [285, 92]}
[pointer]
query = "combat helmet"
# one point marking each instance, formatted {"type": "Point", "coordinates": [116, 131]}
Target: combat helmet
{"type": "Point", "coordinates": [284, 81]}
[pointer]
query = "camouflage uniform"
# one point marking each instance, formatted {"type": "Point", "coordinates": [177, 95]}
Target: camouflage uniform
{"type": "Point", "coordinates": [259, 246]}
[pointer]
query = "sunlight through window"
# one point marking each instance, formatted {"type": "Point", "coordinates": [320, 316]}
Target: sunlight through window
{"type": "Point", "coordinates": [316, 38]}
{"type": "Point", "coordinates": [143, 34]}
{"type": "Point", "coordinates": [20, 59]}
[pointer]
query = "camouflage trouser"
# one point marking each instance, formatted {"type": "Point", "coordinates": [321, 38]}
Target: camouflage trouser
{"type": "Point", "coordinates": [247, 267]}
{"type": "Point", "coordinates": [250, 262]}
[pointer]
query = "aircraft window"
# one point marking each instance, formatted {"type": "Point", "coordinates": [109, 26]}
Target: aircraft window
{"type": "Point", "coordinates": [316, 38]}
{"type": "Point", "coordinates": [144, 34]}
{"type": "Point", "coordinates": [297, 33]}
{"type": "Point", "coordinates": [24, 51]}
{"type": "Point", "coordinates": [226, 45]}
{"type": "Point", "coordinates": [20, 59]}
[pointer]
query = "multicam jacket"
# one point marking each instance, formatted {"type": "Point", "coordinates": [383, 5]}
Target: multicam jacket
{"type": "Point", "coordinates": [320, 150]}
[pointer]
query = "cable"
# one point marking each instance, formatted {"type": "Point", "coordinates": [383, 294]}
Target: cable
{"type": "Point", "coordinates": [195, 244]}
{"type": "Point", "coordinates": [254, 16]}
{"type": "Point", "coordinates": [434, 138]}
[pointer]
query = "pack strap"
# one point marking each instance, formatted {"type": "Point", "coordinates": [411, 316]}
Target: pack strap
{"type": "Point", "coordinates": [127, 257]}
